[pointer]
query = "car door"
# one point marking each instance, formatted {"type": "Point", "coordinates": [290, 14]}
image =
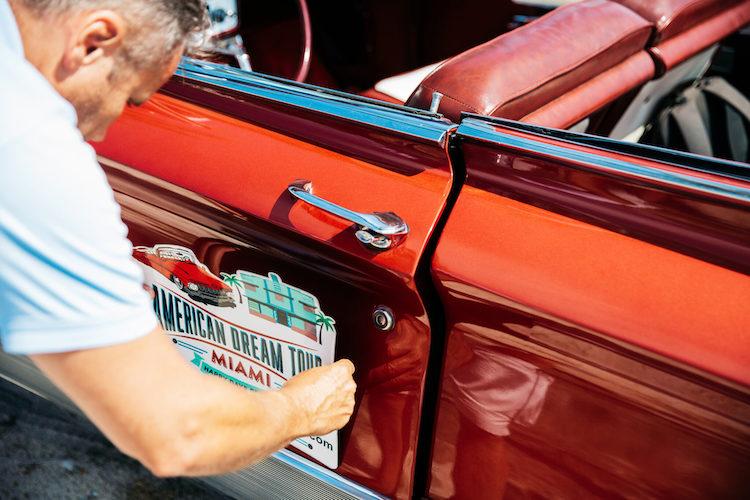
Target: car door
{"type": "Point", "coordinates": [249, 200]}
{"type": "Point", "coordinates": [598, 343]}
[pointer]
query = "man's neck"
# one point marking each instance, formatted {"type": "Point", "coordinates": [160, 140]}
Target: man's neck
{"type": "Point", "coordinates": [43, 45]}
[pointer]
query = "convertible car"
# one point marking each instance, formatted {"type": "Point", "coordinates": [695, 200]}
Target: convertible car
{"type": "Point", "coordinates": [537, 263]}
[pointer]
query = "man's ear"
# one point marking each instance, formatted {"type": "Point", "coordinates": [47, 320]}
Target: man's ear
{"type": "Point", "coordinates": [97, 34]}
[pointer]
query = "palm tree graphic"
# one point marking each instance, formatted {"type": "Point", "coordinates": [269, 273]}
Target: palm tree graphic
{"type": "Point", "coordinates": [323, 321]}
{"type": "Point", "coordinates": [233, 280]}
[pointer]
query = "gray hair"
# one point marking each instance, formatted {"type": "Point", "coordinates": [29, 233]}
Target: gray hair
{"type": "Point", "coordinates": [158, 26]}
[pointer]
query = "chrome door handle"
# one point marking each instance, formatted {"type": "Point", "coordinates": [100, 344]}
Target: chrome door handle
{"type": "Point", "coordinates": [381, 230]}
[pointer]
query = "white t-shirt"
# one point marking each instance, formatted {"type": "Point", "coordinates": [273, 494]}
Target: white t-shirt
{"type": "Point", "coordinates": [67, 277]}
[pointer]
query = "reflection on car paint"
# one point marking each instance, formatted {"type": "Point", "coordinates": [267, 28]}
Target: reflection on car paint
{"type": "Point", "coordinates": [488, 395]}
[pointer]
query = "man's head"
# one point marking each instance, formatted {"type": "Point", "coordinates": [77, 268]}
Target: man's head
{"type": "Point", "coordinates": [103, 54]}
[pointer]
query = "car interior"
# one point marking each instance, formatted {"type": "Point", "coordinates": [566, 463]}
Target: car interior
{"type": "Point", "coordinates": [669, 73]}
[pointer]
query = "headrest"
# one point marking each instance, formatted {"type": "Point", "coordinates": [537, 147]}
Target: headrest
{"type": "Point", "coordinates": [524, 69]}
{"type": "Point", "coordinates": [672, 17]}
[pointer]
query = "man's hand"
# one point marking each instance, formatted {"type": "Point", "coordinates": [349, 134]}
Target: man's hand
{"type": "Point", "coordinates": [177, 421]}
{"type": "Point", "coordinates": [324, 396]}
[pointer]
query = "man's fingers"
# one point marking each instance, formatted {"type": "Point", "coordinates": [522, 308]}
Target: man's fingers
{"type": "Point", "coordinates": [345, 363]}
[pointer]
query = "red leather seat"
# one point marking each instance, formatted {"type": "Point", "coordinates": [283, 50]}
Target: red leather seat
{"type": "Point", "coordinates": [380, 96]}
{"type": "Point", "coordinates": [686, 27]}
{"type": "Point", "coordinates": [555, 71]}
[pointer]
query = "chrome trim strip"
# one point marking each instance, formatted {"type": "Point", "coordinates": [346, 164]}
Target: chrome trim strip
{"type": "Point", "coordinates": [482, 130]}
{"type": "Point", "coordinates": [410, 121]}
{"type": "Point", "coordinates": [326, 476]}
{"type": "Point", "coordinates": [682, 159]}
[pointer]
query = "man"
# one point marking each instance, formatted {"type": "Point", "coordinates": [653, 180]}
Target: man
{"type": "Point", "coordinates": [71, 296]}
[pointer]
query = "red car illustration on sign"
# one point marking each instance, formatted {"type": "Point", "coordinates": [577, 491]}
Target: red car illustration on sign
{"type": "Point", "coordinates": [181, 266]}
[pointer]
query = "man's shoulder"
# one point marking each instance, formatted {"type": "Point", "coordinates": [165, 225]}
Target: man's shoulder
{"type": "Point", "coordinates": [48, 170]}
{"type": "Point", "coordinates": [28, 101]}
{"type": "Point", "coordinates": [55, 168]}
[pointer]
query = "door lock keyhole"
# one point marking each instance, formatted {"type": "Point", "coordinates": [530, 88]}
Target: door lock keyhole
{"type": "Point", "coordinates": [383, 318]}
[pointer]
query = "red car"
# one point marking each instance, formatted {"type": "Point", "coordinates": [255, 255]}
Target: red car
{"type": "Point", "coordinates": [544, 291]}
{"type": "Point", "coordinates": [181, 267]}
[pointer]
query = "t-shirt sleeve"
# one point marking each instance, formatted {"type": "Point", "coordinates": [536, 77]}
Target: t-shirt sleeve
{"type": "Point", "coordinates": [67, 277]}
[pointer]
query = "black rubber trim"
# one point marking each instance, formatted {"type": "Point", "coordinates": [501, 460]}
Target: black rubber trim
{"type": "Point", "coordinates": [438, 333]}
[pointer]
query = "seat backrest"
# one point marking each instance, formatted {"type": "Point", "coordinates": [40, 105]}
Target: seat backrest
{"type": "Point", "coordinates": [686, 34]}
{"type": "Point", "coordinates": [684, 28]}
{"type": "Point", "coordinates": [672, 17]}
{"type": "Point", "coordinates": [523, 71]}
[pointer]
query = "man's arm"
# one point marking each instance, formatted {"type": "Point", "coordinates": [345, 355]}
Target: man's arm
{"type": "Point", "coordinates": [69, 285]}
{"type": "Point", "coordinates": [175, 420]}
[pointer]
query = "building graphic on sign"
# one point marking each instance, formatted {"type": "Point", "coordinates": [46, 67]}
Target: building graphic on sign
{"type": "Point", "coordinates": [272, 299]}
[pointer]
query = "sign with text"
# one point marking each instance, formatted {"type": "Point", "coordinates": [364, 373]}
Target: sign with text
{"type": "Point", "coordinates": [254, 331]}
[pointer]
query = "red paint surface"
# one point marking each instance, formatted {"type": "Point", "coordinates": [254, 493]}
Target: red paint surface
{"type": "Point", "coordinates": [704, 224]}
{"type": "Point", "coordinates": [228, 160]}
{"type": "Point", "coordinates": [647, 296]}
{"type": "Point", "coordinates": [582, 420]}
{"type": "Point", "coordinates": [218, 185]}
{"type": "Point", "coordinates": [582, 362]}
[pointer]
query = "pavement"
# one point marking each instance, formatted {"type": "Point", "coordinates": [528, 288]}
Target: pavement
{"type": "Point", "coordinates": [50, 452]}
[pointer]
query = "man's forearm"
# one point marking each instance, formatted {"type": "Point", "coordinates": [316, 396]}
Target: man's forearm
{"type": "Point", "coordinates": [178, 421]}
{"type": "Point", "coordinates": [229, 428]}
{"type": "Point", "coordinates": [169, 416]}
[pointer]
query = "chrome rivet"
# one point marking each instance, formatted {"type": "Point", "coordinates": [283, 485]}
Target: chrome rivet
{"type": "Point", "coordinates": [364, 236]}
{"type": "Point", "coordinates": [383, 318]}
{"type": "Point", "coordinates": [373, 241]}
{"type": "Point", "coordinates": [435, 103]}
{"type": "Point", "coordinates": [381, 242]}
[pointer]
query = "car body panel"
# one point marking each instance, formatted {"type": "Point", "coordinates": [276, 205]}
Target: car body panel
{"type": "Point", "coordinates": [590, 352]}
{"type": "Point", "coordinates": [401, 172]}
{"type": "Point", "coordinates": [667, 203]}
{"type": "Point", "coordinates": [190, 176]}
